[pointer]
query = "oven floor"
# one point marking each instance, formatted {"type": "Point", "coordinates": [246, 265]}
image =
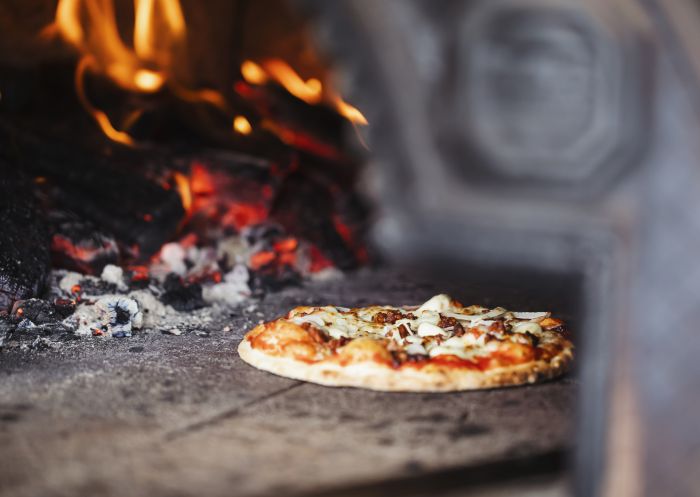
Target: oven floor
{"type": "Point", "coordinates": [156, 415]}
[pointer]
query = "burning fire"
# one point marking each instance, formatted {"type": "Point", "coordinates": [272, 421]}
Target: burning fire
{"type": "Point", "coordinates": [91, 27]}
{"type": "Point", "coordinates": [311, 91]}
{"type": "Point", "coordinates": [216, 203]}
{"type": "Point", "coordinates": [159, 32]}
{"type": "Point", "coordinates": [155, 59]}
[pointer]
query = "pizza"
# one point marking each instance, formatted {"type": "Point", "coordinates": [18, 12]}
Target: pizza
{"type": "Point", "coordinates": [438, 346]}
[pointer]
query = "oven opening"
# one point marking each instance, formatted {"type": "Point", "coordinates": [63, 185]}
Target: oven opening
{"type": "Point", "coordinates": [176, 173]}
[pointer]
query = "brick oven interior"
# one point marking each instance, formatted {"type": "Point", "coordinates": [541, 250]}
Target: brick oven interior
{"type": "Point", "coordinates": [148, 225]}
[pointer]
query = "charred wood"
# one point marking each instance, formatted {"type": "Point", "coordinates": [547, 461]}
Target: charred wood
{"type": "Point", "coordinates": [24, 240]}
{"type": "Point", "coordinates": [316, 130]}
{"type": "Point", "coordinates": [306, 209]}
{"type": "Point", "coordinates": [78, 244]}
{"type": "Point", "coordinates": [117, 190]}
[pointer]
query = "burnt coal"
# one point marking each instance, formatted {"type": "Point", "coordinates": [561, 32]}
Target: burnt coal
{"type": "Point", "coordinates": [34, 318]}
{"type": "Point", "coordinates": [64, 307]}
{"type": "Point", "coordinates": [110, 189]}
{"type": "Point", "coordinates": [304, 208]}
{"type": "Point", "coordinates": [273, 278]}
{"type": "Point", "coordinates": [317, 130]}
{"type": "Point", "coordinates": [181, 296]}
{"type": "Point", "coordinates": [110, 205]}
{"type": "Point", "coordinates": [24, 241]}
{"type": "Point", "coordinates": [6, 329]}
{"type": "Point", "coordinates": [264, 233]}
{"type": "Point", "coordinates": [38, 311]}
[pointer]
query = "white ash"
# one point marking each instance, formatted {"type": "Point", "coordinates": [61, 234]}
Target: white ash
{"type": "Point", "coordinates": [203, 261]}
{"type": "Point", "coordinates": [327, 274]}
{"type": "Point", "coordinates": [90, 287]}
{"type": "Point", "coordinates": [233, 250]}
{"type": "Point", "coordinates": [153, 310]}
{"type": "Point", "coordinates": [107, 305]}
{"type": "Point", "coordinates": [26, 324]}
{"type": "Point", "coordinates": [192, 262]}
{"type": "Point", "coordinates": [111, 315]}
{"type": "Point", "coordinates": [114, 275]}
{"type": "Point", "coordinates": [70, 280]}
{"type": "Point", "coordinates": [40, 343]}
{"type": "Point", "coordinates": [232, 290]}
{"type": "Point", "coordinates": [85, 319]}
{"type": "Point", "coordinates": [173, 256]}
{"type": "Point", "coordinates": [120, 315]}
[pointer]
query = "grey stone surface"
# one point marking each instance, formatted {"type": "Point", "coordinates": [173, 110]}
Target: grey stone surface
{"type": "Point", "coordinates": [158, 414]}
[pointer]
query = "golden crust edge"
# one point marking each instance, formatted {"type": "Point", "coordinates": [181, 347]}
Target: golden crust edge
{"type": "Point", "coordinates": [374, 376]}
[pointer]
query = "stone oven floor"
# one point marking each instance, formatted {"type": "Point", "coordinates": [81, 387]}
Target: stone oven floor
{"type": "Point", "coordinates": [156, 415]}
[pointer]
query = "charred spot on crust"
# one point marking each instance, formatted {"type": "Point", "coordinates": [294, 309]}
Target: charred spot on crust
{"type": "Point", "coordinates": [403, 331]}
{"type": "Point", "coordinates": [498, 327]}
{"type": "Point", "coordinates": [534, 339]}
{"type": "Point", "coordinates": [387, 317]}
{"type": "Point", "coordinates": [336, 343]}
{"type": "Point", "coordinates": [560, 329]}
{"type": "Point", "coordinates": [447, 322]}
{"type": "Point", "coordinates": [450, 322]}
{"type": "Point", "coordinates": [399, 357]}
{"type": "Point", "coordinates": [417, 358]}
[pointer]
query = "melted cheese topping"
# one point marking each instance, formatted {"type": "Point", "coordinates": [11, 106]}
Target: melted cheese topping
{"type": "Point", "coordinates": [439, 327]}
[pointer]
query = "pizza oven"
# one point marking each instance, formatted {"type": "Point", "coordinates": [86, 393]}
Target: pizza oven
{"type": "Point", "coordinates": [174, 172]}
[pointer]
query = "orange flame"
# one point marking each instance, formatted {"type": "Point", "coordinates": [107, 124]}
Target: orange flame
{"type": "Point", "coordinates": [159, 30]}
{"type": "Point", "coordinates": [253, 73]}
{"type": "Point", "coordinates": [153, 59]}
{"type": "Point", "coordinates": [242, 125]}
{"type": "Point", "coordinates": [185, 191]}
{"type": "Point", "coordinates": [349, 112]}
{"type": "Point", "coordinates": [91, 27]}
{"type": "Point", "coordinates": [311, 91]}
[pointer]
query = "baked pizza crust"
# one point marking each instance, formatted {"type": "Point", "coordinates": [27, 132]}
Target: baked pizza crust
{"type": "Point", "coordinates": [363, 371]}
{"type": "Point", "coordinates": [440, 346]}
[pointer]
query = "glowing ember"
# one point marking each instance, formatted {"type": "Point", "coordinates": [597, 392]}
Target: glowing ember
{"type": "Point", "coordinates": [318, 260]}
{"type": "Point", "coordinates": [262, 259]}
{"type": "Point", "coordinates": [201, 181]}
{"type": "Point", "coordinates": [139, 273]}
{"type": "Point", "coordinates": [80, 255]}
{"type": "Point", "coordinates": [241, 215]}
{"type": "Point", "coordinates": [286, 245]}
